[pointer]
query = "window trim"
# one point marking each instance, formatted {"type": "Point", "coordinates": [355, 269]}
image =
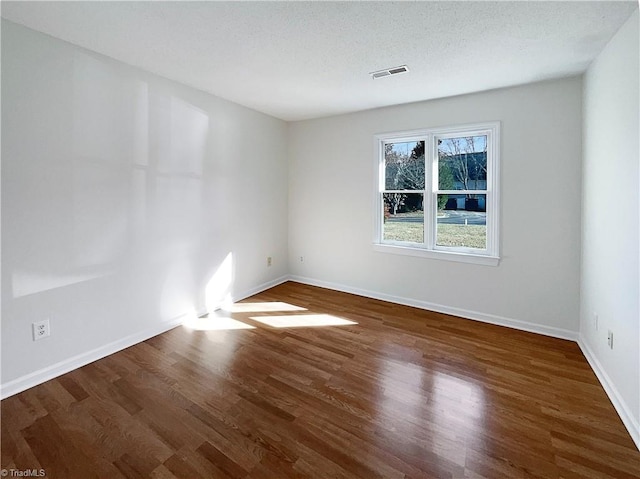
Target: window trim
{"type": "Point", "coordinates": [428, 249]}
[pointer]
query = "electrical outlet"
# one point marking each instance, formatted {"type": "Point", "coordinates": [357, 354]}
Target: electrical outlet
{"type": "Point", "coordinates": [302, 259]}
{"type": "Point", "coordinates": [595, 320]}
{"type": "Point", "coordinates": [41, 329]}
{"type": "Point", "coordinates": [610, 339]}
{"type": "Point", "coordinates": [269, 261]}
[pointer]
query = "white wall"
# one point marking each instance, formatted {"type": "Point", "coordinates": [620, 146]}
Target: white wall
{"type": "Point", "coordinates": [122, 194]}
{"type": "Point", "coordinates": [536, 285]}
{"type": "Point", "coordinates": [610, 241]}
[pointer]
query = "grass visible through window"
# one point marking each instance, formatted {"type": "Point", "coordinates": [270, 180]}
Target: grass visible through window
{"type": "Point", "coordinates": [468, 236]}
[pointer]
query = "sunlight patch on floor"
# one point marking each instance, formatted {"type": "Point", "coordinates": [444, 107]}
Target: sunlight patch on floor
{"type": "Point", "coordinates": [302, 320]}
{"type": "Point", "coordinates": [213, 323]}
{"type": "Point", "coordinates": [266, 307]}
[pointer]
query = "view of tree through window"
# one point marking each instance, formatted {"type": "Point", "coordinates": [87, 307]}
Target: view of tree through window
{"type": "Point", "coordinates": [462, 166]}
{"type": "Point", "coordinates": [435, 190]}
{"type": "Point", "coordinates": [404, 196]}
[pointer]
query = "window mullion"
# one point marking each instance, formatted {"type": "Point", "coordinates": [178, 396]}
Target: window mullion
{"type": "Point", "coordinates": [429, 214]}
{"type": "Point", "coordinates": [462, 192]}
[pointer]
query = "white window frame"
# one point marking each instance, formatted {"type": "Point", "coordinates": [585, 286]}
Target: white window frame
{"type": "Point", "coordinates": [489, 256]}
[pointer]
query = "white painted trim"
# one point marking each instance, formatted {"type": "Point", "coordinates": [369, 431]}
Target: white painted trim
{"type": "Point", "coordinates": [38, 377]}
{"type": "Point", "coordinates": [45, 374]}
{"type": "Point", "coordinates": [50, 372]}
{"type": "Point", "coordinates": [621, 407]}
{"type": "Point", "coordinates": [408, 135]}
{"type": "Point", "coordinates": [260, 288]}
{"type": "Point", "coordinates": [438, 308]}
{"type": "Point", "coordinates": [492, 130]}
{"type": "Point", "coordinates": [437, 254]}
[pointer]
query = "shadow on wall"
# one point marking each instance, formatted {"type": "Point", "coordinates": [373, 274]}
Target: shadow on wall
{"type": "Point", "coordinates": [120, 194]}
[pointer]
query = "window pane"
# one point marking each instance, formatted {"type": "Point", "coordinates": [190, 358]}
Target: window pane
{"type": "Point", "coordinates": [404, 165]}
{"type": "Point", "coordinates": [462, 163]}
{"type": "Point", "coordinates": [403, 217]}
{"type": "Point", "coordinates": [462, 221]}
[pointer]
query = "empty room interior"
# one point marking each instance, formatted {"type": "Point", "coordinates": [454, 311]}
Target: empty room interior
{"type": "Point", "coordinates": [272, 240]}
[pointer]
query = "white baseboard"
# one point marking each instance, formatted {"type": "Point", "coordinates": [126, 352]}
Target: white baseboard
{"type": "Point", "coordinates": [42, 375]}
{"type": "Point", "coordinates": [38, 377]}
{"type": "Point", "coordinates": [45, 374]}
{"type": "Point", "coordinates": [631, 424]}
{"type": "Point", "coordinates": [619, 404]}
{"type": "Point", "coordinates": [439, 308]}
{"type": "Point", "coordinates": [260, 288]}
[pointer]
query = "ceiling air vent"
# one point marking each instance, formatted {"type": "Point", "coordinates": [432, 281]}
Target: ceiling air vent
{"type": "Point", "coordinates": [389, 72]}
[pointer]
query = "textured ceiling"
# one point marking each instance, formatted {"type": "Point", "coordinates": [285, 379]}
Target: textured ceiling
{"type": "Point", "coordinates": [299, 60]}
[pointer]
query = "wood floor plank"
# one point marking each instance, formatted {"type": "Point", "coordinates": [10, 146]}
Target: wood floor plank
{"type": "Point", "coordinates": [216, 457]}
{"type": "Point", "coordinates": [402, 394]}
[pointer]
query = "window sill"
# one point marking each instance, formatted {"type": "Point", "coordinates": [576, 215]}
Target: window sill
{"type": "Point", "coordinates": [440, 255]}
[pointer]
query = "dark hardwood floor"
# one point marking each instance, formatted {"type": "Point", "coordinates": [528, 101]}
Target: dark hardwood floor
{"type": "Point", "coordinates": [404, 393]}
